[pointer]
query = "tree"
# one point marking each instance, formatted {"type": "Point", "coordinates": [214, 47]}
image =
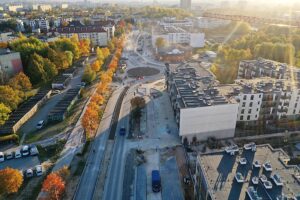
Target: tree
{"type": "Point", "coordinates": [35, 70]}
{"type": "Point", "coordinates": [10, 181]}
{"type": "Point", "coordinates": [50, 69]}
{"type": "Point", "coordinates": [9, 97]}
{"type": "Point", "coordinates": [90, 120]}
{"type": "Point", "coordinates": [96, 66]}
{"type": "Point", "coordinates": [4, 113]}
{"type": "Point", "coordinates": [54, 186]}
{"type": "Point", "coordinates": [111, 46]}
{"type": "Point", "coordinates": [105, 52]}
{"type": "Point", "coordinates": [84, 46]}
{"type": "Point", "coordinates": [100, 55]}
{"type": "Point", "coordinates": [160, 42]}
{"type": "Point", "coordinates": [89, 75]}
{"type": "Point", "coordinates": [20, 82]}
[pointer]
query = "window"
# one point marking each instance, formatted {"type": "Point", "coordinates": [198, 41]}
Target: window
{"type": "Point", "coordinates": [255, 116]}
{"type": "Point", "coordinates": [243, 111]}
{"type": "Point", "coordinates": [296, 105]}
{"type": "Point", "coordinates": [251, 104]}
{"type": "Point", "coordinates": [257, 109]}
{"type": "Point", "coordinates": [249, 111]}
{"type": "Point", "coordinates": [294, 112]}
{"type": "Point", "coordinates": [258, 103]}
{"type": "Point", "coordinates": [248, 117]}
{"type": "Point", "coordinates": [252, 97]}
{"type": "Point", "coordinates": [244, 104]}
{"type": "Point", "coordinates": [260, 96]}
{"type": "Point", "coordinates": [245, 97]}
{"type": "Point", "coordinates": [242, 117]}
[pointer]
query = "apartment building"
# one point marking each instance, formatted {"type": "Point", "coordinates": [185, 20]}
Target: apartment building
{"type": "Point", "coordinates": [10, 64]}
{"type": "Point", "coordinates": [97, 35]}
{"type": "Point", "coordinates": [210, 23]}
{"type": "Point", "coordinates": [178, 35]}
{"type": "Point", "coordinates": [170, 21]}
{"type": "Point", "coordinates": [42, 7]}
{"type": "Point", "coordinates": [108, 25]}
{"type": "Point", "coordinates": [199, 108]}
{"type": "Point", "coordinates": [249, 69]}
{"type": "Point", "coordinates": [14, 7]}
{"type": "Point", "coordinates": [186, 4]}
{"type": "Point", "coordinates": [254, 172]}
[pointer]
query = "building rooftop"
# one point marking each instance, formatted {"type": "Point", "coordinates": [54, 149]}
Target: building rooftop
{"type": "Point", "coordinates": [194, 86]}
{"type": "Point", "coordinates": [233, 176]}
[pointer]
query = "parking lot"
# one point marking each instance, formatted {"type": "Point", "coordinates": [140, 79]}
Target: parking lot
{"type": "Point", "coordinates": [22, 163]}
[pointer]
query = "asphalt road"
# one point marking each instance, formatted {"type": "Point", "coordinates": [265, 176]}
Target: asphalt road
{"type": "Point", "coordinates": [114, 180]}
{"type": "Point", "coordinates": [86, 187]}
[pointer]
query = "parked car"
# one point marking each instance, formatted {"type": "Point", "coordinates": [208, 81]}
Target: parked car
{"type": "Point", "coordinates": [55, 91]}
{"type": "Point", "coordinates": [34, 151]}
{"type": "Point", "coordinates": [40, 124]}
{"type": "Point", "coordinates": [122, 131]}
{"type": "Point", "coordinates": [1, 156]}
{"type": "Point", "coordinates": [156, 181]}
{"type": "Point", "coordinates": [9, 155]}
{"type": "Point", "coordinates": [38, 170]}
{"type": "Point", "coordinates": [18, 154]}
{"type": "Point", "coordinates": [28, 173]}
{"type": "Point", "coordinates": [25, 150]}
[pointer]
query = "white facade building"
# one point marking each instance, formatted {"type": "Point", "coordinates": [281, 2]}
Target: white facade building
{"type": "Point", "coordinates": [211, 23]}
{"type": "Point", "coordinates": [177, 35]}
{"type": "Point", "coordinates": [217, 121]}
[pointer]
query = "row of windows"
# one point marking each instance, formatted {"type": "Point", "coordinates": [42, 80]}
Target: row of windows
{"type": "Point", "coordinates": [250, 104]}
{"type": "Point", "coordinates": [248, 117]}
{"type": "Point", "coordinates": [252, 97]}
{"type": "Point", "coordinates": [249, 111]}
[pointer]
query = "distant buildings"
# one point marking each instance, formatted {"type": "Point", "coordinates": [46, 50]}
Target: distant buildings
{"type": "Point", "coordinates": [200, 109]}
{"type": "Point", "coordinates": [14, 7]}
{"type": "Point", "coordinates": [178, 32]}
{"type": "Point", "coordinates": [186, 4]}
{"type": "Point", "coordinates": [10, 64]}
{"type": "Point", "coordinates": [210, 23]}
{"type": "Point", "coordinates": [99, 34]}
{"type": "Point", "coordinates": [256, 172]}
{"type": "Point", "coordinates": [42, 7]}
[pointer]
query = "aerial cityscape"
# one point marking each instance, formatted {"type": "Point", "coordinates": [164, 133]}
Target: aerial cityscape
{"type": "Point", "coordinates": [149, 100]}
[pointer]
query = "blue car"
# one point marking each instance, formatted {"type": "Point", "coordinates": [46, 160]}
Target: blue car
{"type": "Point", "coordinates": [122, 131]}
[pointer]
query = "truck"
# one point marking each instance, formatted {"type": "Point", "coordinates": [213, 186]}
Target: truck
{"type": "Point", "coordinates": [156, 182]}
{"type": "Point", "coordinates": [122, 131]}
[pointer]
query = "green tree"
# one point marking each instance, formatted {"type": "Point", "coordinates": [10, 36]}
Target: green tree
{"type": "Point", "coordinates": [36, 70]}
{"type": "Point", "coordinates": [89, 75]}
{"type": "Point", "coordinates": [49, 68]}
{"type": "Point", "coordinates": [20, 82]}
{"type": "Point", "coordinates": [4, 113]}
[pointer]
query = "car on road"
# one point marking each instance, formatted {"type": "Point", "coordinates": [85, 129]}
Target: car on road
{"type": "Point", "coordinates": [28, 173]}
{"type": "Point", "coordinates": [56, 92]}
{"type": "Point", "coordinates": [34, 151]}
{"type": "Point", "coordinates": [122, 131]}
{"type": "Point", "coordinates": [38, 170]}
{"type": "Point", "coordinates": [40, 124]}
{"type": "Point", "coordinates": [156, 182]}
{"type": "Point", "coordinates": [18, 154]}
{"type": "Point", "coordinates": [9, 155]}
{"type": "Point", "coordinates": [1, 156]}
{"type": "Point", "coordinates": [25, 150]}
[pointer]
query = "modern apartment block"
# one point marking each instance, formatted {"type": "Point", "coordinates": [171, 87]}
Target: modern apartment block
{"type": "Point", "coordinates": [178, 35]}
{"type": "Point", "coordinates": [267, 91]}
{"type": "Point", "coordinates": [254, 172]}
{"type": "Point", "coordinates": [249, 69]}
{"type": "Point", "coordinates": [97, 34]}
{"type": "Point", "coordinates": [199, 108]}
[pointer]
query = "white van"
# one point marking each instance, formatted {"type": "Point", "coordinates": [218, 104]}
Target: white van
{"type": "Point", "coordinates": [18, 154]}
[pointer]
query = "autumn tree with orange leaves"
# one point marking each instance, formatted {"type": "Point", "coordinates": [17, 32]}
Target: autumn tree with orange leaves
{"type": "Point", "coordinates": [10, 181]}
{"type": "Point", "coordinates": [54, 186]}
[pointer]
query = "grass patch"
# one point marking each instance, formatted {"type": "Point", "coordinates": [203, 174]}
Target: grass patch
{"type": "Point", "coordinates": [51, 152]}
